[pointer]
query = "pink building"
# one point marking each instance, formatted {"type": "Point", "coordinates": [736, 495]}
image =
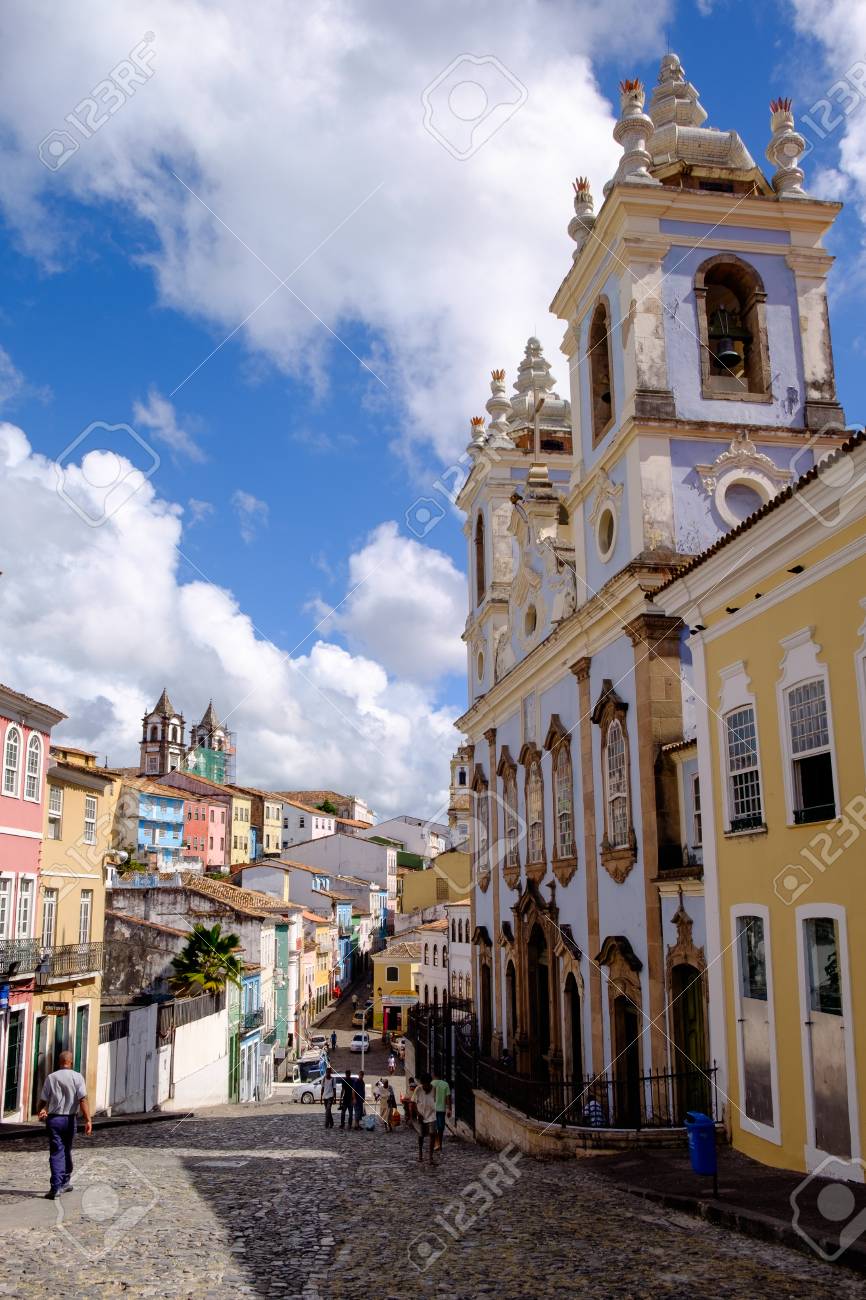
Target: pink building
{"type": "Point", "coordinates": [25, 731]}
{"type": "Point", "coordinates": [204, 832]}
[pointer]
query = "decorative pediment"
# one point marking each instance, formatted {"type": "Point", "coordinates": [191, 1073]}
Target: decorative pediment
{"type": "Point", "coordinates": [479, 781]}
{"type": "Point", "coordinates": [741, 463]}
{"type": "Point", "coordinates": [481, 937]}
{"type": "Point", "coordinates": [616, 950]}
{"type": "Point", "coordinates": [506, 935]}
{"type": "Point", "coordinates": [566, 943]}
{"type": "Point", "coordinates": [530, 901]}
{"type": "Point", "coordinates": [506, 763]}
{"type": "Point", "coordinates": [607, 701]}
{"type": "Point", "coordinates": [529, 753]}
{"type": "Point", "coordinates": [555, 732]}
{"type": "Point", "coordinates": [607, 493]}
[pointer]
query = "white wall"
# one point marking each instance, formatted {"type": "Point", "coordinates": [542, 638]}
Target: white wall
{"type": "Point", "coordinates": [201, 1064]}
{"type": "Point", "coordinates": [300, 825]}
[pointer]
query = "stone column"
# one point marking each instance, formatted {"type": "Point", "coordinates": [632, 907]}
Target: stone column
{"type": "Point", "coordinates": [659, 719]}
{"type": "Point", "coordinates": [584, 706]}
{"type": "Point", "coordinates": [494, 860]}
{"type": "Point", "coordinates": [821, 406]}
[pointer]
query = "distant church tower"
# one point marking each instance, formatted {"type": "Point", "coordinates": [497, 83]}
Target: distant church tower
{"type": "Point", "coordinates": [162, 740]}
{"type": "Point", "coordinates": [212, 748]}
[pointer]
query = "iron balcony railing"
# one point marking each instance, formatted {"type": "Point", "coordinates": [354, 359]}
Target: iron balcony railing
{"type": "Point", "coordinates": [660, 1099]}
{"type": "Point", "coordinates": [64, 961]}
{"type": "Point", "coordinates": [253, 1019]}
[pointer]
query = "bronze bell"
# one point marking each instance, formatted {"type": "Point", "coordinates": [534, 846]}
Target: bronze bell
{"type": "Point", "coordinates": [724, 329]}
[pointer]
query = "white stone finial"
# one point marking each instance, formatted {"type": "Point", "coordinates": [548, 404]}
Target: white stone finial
{"type": "Point", "coordinates": [633, 131]}
{"type": "Point", "coordinates": [582, 222]}
{"type": "Point", "coordinates": [499, 409]}
{"type": "Point", "coordinates": [674, 99]}
{"type": "Point", "coordinates": [785, 150]}
{"type": "Point", "coordinates": [476, 442]}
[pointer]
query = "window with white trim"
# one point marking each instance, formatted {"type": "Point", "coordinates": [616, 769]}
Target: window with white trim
{"type": "Point", "coordinates": [744, 780]}
{"type": "Point", "coordinates": [11, 760]}
{"type": "Point", "coordinates": [90, 819]}
{"type": "Point", "coordinates": [697, 823]}
{"type": "Point", "coordinates": [49, 917]}
{"type": "Point", "coordinates": [812, 762]}
{"type": "Point", "coordinates": [617, 787]}
{"type": "Point", "coordinates": [563, 800]}
{"type": "Point", "coordinates": [5, 907]}
{"type": "Point", "coordinates": [509, 799]}
{"type": "Point", "coordinates": [535, 813]}
{"type": "Point", "coordinates": [85, 915]}
{"type": "Point", "coordinates": [33, 773]}
{"type": "Point", "coordinates": [55, 812]}
{"type": "Point", "coordinates": [24, 909]}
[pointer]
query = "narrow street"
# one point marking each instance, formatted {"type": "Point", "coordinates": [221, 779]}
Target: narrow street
{"type": "Point", "coordinates": [264, 1201]}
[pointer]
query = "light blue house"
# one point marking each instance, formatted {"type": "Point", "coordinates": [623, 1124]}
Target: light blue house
{"type": "Point", "coordinates": [151, 822]}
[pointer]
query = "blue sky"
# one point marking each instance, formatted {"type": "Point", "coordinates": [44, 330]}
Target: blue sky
{"type": "Point", "coordinates": [119, 283]}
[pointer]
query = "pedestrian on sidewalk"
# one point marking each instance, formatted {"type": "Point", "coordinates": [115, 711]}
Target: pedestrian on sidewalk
{"type": "Point", "coordinates": [347, 1096]}
{"type": "Point", "coordinates": [392, 1063]}
{"type": "Point", "coordinates": [360, 1096]}
{"type": "Point", "coordinates": [385, 1102]}
{"type": "Point", "coordinates": [63, 1092]}
{"type": "Point", "coordinates": [333, 1040]}
{"type": "Point", "coordinates": [329, 1092]}
{"type": "Point", "coordinates": [442, 1093]}
{"type": "Point", "coordinates": [424, 1100]}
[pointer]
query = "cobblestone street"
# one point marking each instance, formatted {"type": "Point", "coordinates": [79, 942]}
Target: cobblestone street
{"type": "Point", "coordinates": [246, 1202]}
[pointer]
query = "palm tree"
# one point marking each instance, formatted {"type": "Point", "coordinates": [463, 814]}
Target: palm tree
{"type": "Point", "coordinates": [207, 962]}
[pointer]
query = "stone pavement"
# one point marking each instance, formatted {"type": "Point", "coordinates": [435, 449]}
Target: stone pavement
{"type": "Point", "coordinates": [263, 1201]}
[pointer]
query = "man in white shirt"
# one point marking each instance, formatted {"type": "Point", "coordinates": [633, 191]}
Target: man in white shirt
{"type": "Point", "coordinates": [62, 1094]}
{"type": "Point", "coordinates": [329, 1092]}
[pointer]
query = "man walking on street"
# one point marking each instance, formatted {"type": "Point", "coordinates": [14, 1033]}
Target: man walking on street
{"type": "Point", "coordinates": [329, 1092]}
{"type": "Point", "coordinates": [347, 1096]}
{"type": "Point", "coordinates": [360, 1095]}
{"type": "Point", "coordinates": [62, 1094]}
{"type": "Point", "coordinates": [333, 1040]}
{"type": "Point", "coordinates": [442, 1093]}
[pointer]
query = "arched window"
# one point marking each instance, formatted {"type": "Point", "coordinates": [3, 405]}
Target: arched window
{"type": "Point", "coordinates": [435, 954]}
{"type": "Point", "coordinates": [481, 830]}
{"type": "Point", "coordinates": [480, 583]}
{"type": "Point", "coordinates": [444, 954]}
{"type": "Point", "coordinates": [453, 984]}
{"type": "Point", "coordinates": [732, 328]}
{"type": "Point", "coordinates": [426, 995]}
{"type": "Point", "coordinates": [460, 986]}
{"type": "Point", "coordinates": [435, 997]}
{"type": "Point", "coordinates": [534, 813]}
{"type": "Point", "coordinates": [509, 795]}
{"type": "Point", "coordinates": [11, 760]}
{"type": "Point", "coordinates": [468, 990]}
{"type": "Point", "coordinates": [461, 776]}
{"type": "Point", "coordinates": [33, 775]}
{"type": "Point", "coordinates": [426, 953]}
{"type": "Point", "coordinates": [600, 367]}
{"type": "Point", "coordinates": [617, 787]}
{"type": "Point", "coordinates": [563, 794]}
{"type": "Point", "coordinates": [175, 734]}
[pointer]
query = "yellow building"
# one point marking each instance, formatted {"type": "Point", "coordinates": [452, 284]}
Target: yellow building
{"type": "Point", "coordinates": [446, 880]}
{"type": "Point", "coordinates": [777, 612]}
{"type": "Point", "coordinates": [240, 833]}
{"type": "Point", "coordinates": [80, 807]}
{"type": "Point", "coordinates": [394, 984]}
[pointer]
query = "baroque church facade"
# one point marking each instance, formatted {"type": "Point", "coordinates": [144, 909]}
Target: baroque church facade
{"type": "Point", "coordinates": [164, 747]}
{"type": "Point", "coordinates": [700, 383]}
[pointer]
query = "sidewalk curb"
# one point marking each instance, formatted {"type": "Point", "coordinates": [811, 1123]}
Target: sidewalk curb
{"type": "Point", "coordinates": [750, 1223]}
{"type": "Point", "coordinates": [36, 1129]}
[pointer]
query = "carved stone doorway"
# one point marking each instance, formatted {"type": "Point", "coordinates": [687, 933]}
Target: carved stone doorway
{"type": "Point", "coordinates": [538, 964]}
{"type": "Point", "coordinates": [626, 1061]}
{"type": "Point", "coordinates": [573, 1029]}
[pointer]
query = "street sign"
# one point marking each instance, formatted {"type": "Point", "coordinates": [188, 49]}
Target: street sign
{"type": "Point", "coordinates": [55, 1008]}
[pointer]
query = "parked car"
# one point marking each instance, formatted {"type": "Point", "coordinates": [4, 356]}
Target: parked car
{"type": "Point", "coordinates": [363, 1018]}
{"type": "Point", "coordinates": [318, 1041]}
{"type": "Point", "coordinates": [360, 1043]}
{"type": "Point", "coordinates": [305, 1091]}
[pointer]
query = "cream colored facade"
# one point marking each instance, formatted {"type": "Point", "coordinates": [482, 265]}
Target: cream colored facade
{"type": "Point", "coordinates": [80, 807]}
{"type": "Point", "coordinates": [240, 830]}
{"type": "Point", "coordinates": [395, 980]}
{"type": "Point", "coordinates": [446, 880]}
{"type": "Point", "coordinates": [778, 637]}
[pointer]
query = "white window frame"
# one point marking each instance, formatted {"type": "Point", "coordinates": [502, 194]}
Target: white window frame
{"type": "Point", "coordinates": [619, 794]}
{"type": "Point", "coordinates": [735, 694]}
{"type": "Point", "coordinates": [800, 665]}
{"type": "Point", "coordinates": [769, 1133]}
{"type": "Point", "coordinates": [12, 729]}
{"type": "Point", "coordinates": [89, 833]}
{"type": "Point", "coordinates": [30, 893]}
{"type": "Point", "coordinates": [34, 746]}
{"type": "Point", "coordinates": [7, 912]}
{"type": "Point", "coordinates": [814, 1155]}
{"type": "Point", "coordinates": [86, 896]}
{"type": "Point", "coordinates": [50, 900]}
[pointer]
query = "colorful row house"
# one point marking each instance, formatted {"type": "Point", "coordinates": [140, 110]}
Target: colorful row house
{"type": "Point", "coordinates": [25, 731]}
{"type": "Point", "coordinates": [777, 619]}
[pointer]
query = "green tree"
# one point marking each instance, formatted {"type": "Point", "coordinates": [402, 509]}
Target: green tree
{"type": "Point", "coordinates": [207, 962]}
{"type": "Point", "coordinates": [327, 807]}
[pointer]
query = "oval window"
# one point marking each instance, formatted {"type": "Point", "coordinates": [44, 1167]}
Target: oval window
{"type": "Point", "coordinates": [530, 620]}
{"type": "Point", "coordinates": [479, 666]}
{"type": "Point", "coordinates": [740, 501]}
{"type": "Point", "coordinates": [606, 534]}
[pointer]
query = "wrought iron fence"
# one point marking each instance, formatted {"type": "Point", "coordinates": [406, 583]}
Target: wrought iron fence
{"type": "Point", "coordinates": [19, 956]}
{"type": "Point", "coordinates": [29, 957]}
{"type": "Point", "coordinates": [253, 1019]}
{"type": "Point", "coordinates": [659, 1099]}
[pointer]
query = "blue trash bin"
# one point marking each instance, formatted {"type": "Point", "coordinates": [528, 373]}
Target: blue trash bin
{"type": "Point", "coordinates": [702, 1142]}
